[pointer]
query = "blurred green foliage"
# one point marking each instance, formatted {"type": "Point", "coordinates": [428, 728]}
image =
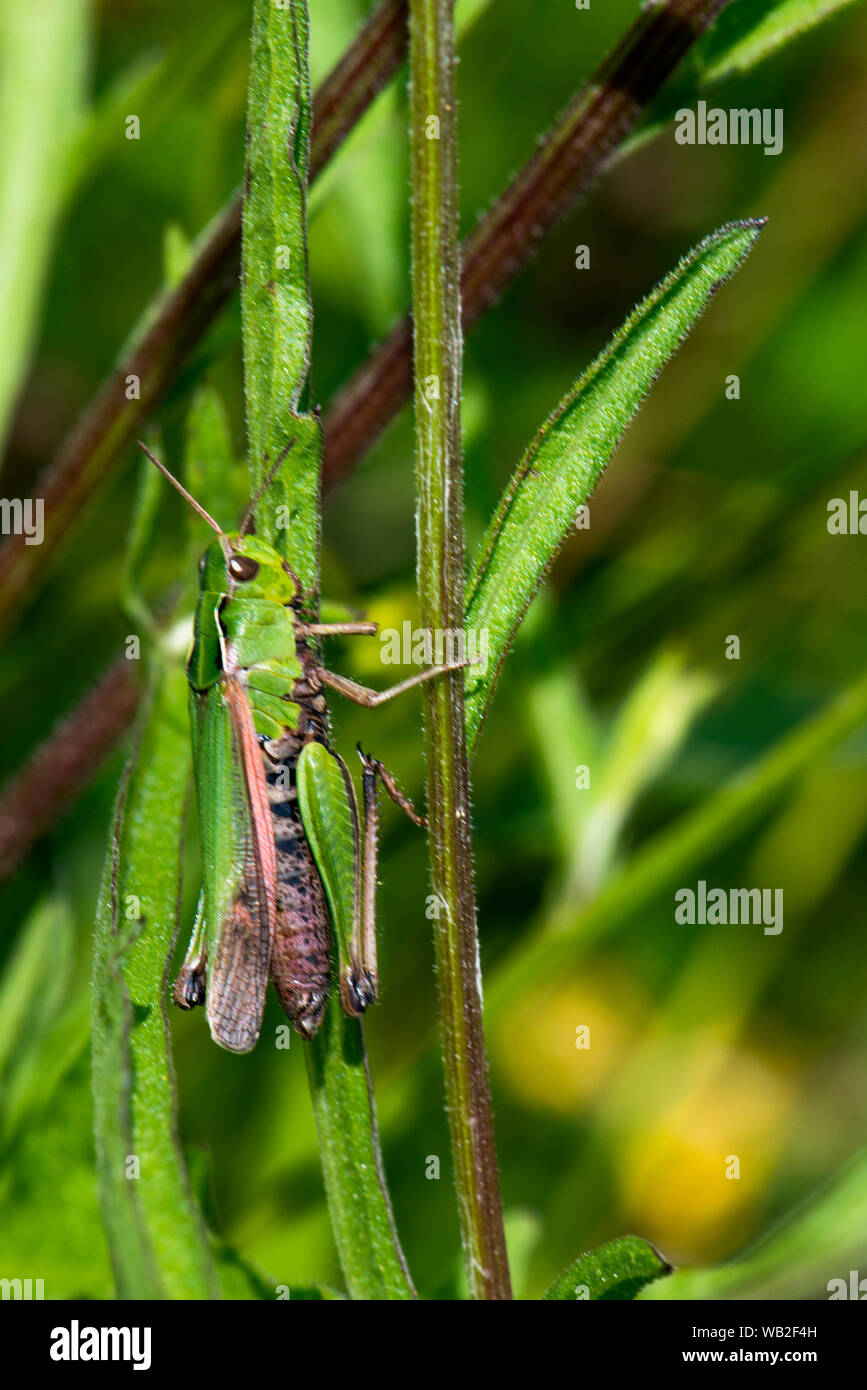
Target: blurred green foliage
{"type": "Point", "coordinates": [705, 1042]}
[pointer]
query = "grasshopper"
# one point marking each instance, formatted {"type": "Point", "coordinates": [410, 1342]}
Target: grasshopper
{"type": "Point", "coordinates": [284, 868]}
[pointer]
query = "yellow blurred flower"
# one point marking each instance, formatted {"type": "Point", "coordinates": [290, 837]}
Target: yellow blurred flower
{"type": "Point", "coordinates": [690, 1180]}
{"type": "Point", "coordinates": [557, 1049]}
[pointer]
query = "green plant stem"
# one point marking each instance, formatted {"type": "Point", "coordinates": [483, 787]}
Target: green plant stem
{"type": "Point", "coordinates": [437, 360]}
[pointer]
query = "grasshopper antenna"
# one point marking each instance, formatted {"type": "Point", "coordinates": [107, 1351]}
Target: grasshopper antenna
{"type": "Point", "coordinates": [269, 476]}
{"type": "Point", "coordinates": [181, 489]}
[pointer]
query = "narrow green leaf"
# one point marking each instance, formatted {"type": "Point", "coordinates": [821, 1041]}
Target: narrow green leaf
{"type": "Point", "coordinates": [276, 314]}
{"type": "Point", "coordinates": [149, 497]}
{"type": "Point", "coordinates": [153, 87]}
{"type": "Point", "coordinates": [43, 1014]}
{"type": "Point", "coordinates": [747, 34]}
{"type": "Point", "coordinates": [823, 1240]}
{"type": "Point", "coordinates": [565, 461]}
{"type": "Point", "coordinates": [618, 1270]}
{"type": "Point", "coordinates": [50, 1227]}
{"type": "Point", "coordinates": [343, 1105]}
{"type": "Point", "coordinates": [277, 326]}
{"type": "Point", "coordinates": [43, 52]}
{"type": "Point", "coordinates": [648, 729]}
{"type": "Point", "coordinates": [750, 31]}
{"type": "Point", "coordinates": [156, 1234]}
{"type": "Point", "coordinates": [34, 979]}
{"type": "Point", "coordinates": [209, 466]}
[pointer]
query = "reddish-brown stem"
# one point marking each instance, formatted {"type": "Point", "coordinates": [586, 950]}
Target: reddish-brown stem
{"type": "Point", "coordinates": [48, 783]}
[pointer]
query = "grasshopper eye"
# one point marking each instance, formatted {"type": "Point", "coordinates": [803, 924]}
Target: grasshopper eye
{"type": "Point", "coordinates": [242, 568]}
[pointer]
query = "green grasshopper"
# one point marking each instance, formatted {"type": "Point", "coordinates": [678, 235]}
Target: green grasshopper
{"type": "Point", "coordinates": [281, 853]}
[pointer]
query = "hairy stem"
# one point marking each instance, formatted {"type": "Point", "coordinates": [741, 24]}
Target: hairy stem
{"type": "Point", "coordinates": [437, 371]}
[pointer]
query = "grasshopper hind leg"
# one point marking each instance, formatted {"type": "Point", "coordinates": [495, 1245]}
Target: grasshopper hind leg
{"type": "Point", "coordinates": [359, 987]}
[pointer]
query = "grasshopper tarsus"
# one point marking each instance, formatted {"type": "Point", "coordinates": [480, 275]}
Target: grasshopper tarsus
{"type": "Point", "coordinates": [358, 990]}
{"type": "Point", "coordinates": [374, 771]}
{"type": "Point", "coordinates": [189, 991]}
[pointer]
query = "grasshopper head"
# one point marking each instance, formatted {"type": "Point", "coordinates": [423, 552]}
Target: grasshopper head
{"type": "Point", "coordinates": [236, 561]}
{"type": "Point", "coordinates": [239, 564]}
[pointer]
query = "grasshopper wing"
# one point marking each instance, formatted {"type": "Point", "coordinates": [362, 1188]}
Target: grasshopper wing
{"type": "Point", "coordinates": [329, 812]}
{"type": "Point", "coordinates": [238, 862]}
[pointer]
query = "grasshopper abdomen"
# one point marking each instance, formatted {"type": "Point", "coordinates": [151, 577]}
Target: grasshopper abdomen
{"type": "Point", "coordinates": [301, 944]}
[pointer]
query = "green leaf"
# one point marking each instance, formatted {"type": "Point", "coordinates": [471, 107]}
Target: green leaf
{"type": "Point", "coordinates": [822, 1240]}
{"type": "Point", "coordinates": [277, 326]}
{"type": "Point", "coordinates": [153, 87]}
{"type": "Point", "coordinates": [209, 466]}
{"type": "Point", "coordinates": [747, 34]}
{"type": "Point", "coordinates": [618, 1270]}
{"type": "Point", "coordinates": [43, 1014]}
{"type": "Point", "coordinates": [43, 52]}
{"type": "Point", "coordinates": [750, 31]}
{"type": "Point", "coordinates": [565, 461]}
{"type": "Point", "coordinates": [276, 314]}
{"type": "Point", "coordinates": [367, 1242]}
{"type": "Point", "coordinates": [50, 1227]}
{"type": "Point", "coordinates": [649, 728]}
{"type": "Point", "coordinates": [523, 1233]}
{"type": "Point", "coordinates": [155, 1231]}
